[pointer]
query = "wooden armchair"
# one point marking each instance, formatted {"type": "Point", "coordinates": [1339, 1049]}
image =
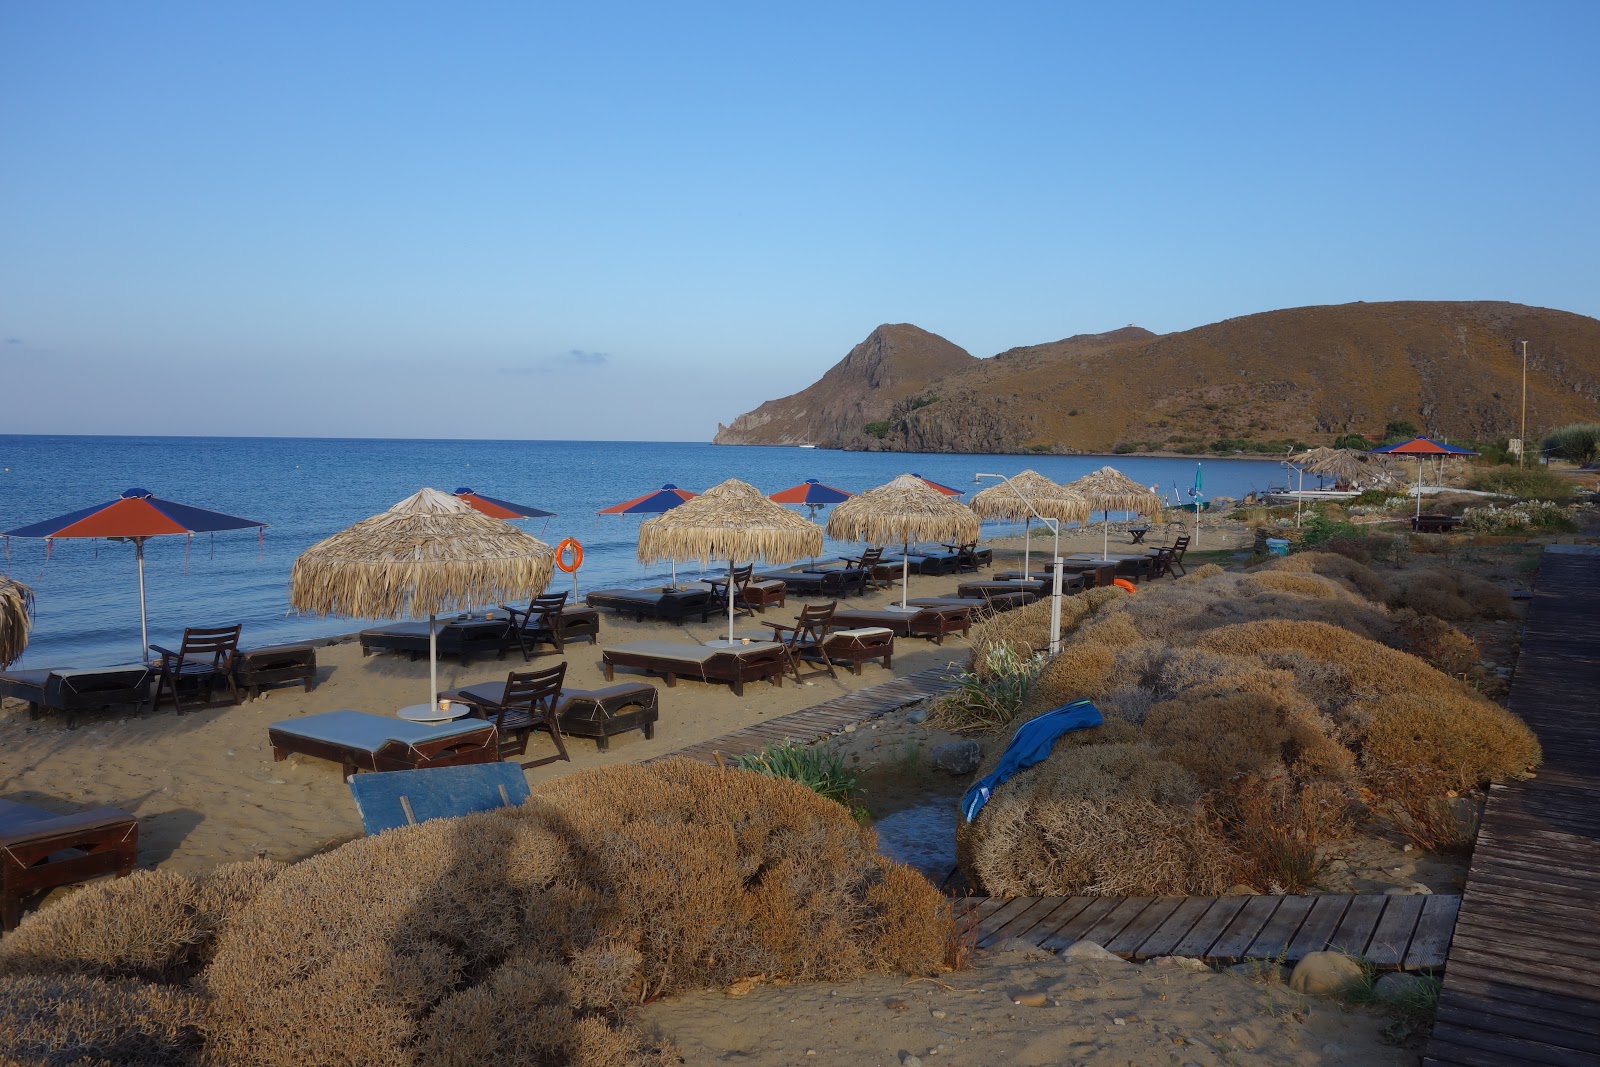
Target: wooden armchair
{"type": "Point", "coordinates": [541, 621]}
{"type": "Point", "coordinates": [205, 656]}
{"type": "Point", "coordinates": [528, 700]}
{"type": "Point", "coordinates": [867, 563]}
{"type": "Point", "coordinates": [741, 599]}
{"type": "Point", "coordinates": [804, 638]}
{"type": "Point", "coordinates": [1174, 563]}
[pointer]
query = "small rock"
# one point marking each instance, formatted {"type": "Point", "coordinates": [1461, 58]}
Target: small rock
{"type": "Point", "coordinates": [811, 1052]}
{"type": "Point", "coordinates": [908, 1060]}
{"type": "Point", "coordinates": [1406, 848]}
{"type": "Point", "coordinates": [743, 986]}
{"type": "Point", "coordinates": [895, 1004]}
{"type": "Point", "coordinates": [918, 715]}
{"type": "Point", "coordinates": [1091, 951]}
{"type": "Point", "coordinates": [1119, 1021]}
{"type": "Point", "coordinates": [1184, 963]}
{"type": "Point", "coordinates": [850, 728]}
{"type": "Point", "coordinates": [1030, 1000]}
{"type": "Point", "coordinates": [276, 781]}
{"type": "Point", "coordinates": [938, 1013]}
{"type": "Point", "coordinates": [957, 757]}
{"type": "Point", "coordinates": [1397, 985]}
{"type": "Point", "coordinates": [1325, 973]}
{"type": "Point", "coordinates": [1415, 889]}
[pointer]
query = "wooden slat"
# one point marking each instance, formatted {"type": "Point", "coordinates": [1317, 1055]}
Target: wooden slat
{"type": "Point", "coordinates": [1355, 929]}
{"type": "Point", "coordinates": [1392, 936]}
{"type": "Point", "coordinates": [1209, 927]}
{"type": "Point", "coordinates": [1432, 935]}
{"type": "Point", "coordinates": [1002, 915]}
{"type": "Point", "coordinates": [1113, 922]}
{"type": "Point", "coordinates": [1139, 930]}
{"type": "Point", "coordinates": [1274, 938]}
{"type": "Point", "coordinates": [1241, 932]}
{"type": "Point", "coordinates": [1021, 922]}
{"type": "Point", "coordinates": [1166, 937]}
{"type": "Point", "coordinates": [1073, 929]}
{"type": "Point", "coordinates": [1317, 929]}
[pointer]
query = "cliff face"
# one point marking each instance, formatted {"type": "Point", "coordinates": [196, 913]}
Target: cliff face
{"type": "Point", "coordinates": [894, 363]}
{"type": "Point", "coordinates": [1310, 374]}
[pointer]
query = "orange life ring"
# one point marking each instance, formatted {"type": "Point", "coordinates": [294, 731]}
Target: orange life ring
{"type": "Point", "coordinates": [561, 555]}
{"type": "Point", "coordinates": [1125, 584]}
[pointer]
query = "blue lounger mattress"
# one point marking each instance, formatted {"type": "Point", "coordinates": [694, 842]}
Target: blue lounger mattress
{"type": "Point", "coordinates": [368, 733]}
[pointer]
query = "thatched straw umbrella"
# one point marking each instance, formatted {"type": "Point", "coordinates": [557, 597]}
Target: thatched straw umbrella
{"type": "Point", "coordinates": [732, 520]}
{"type": "Point", "coordinates": [428, 555]}
{"type": "Point", "coordinates": [1046, 498]}
{"type": "Point", "coordinates": [16, 609]}
{"type": "Point", "coordinates": [1108, 490]}
{"type": "Point", "coordinates": [1340, 464]}
{"type": "Point", "coordinates": [905, 510]}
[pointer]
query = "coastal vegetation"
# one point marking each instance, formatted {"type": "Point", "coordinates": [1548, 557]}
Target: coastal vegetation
{"type": "Point", "coordinates": [524, 935]}
{"type": "Point", "coordinates": [1578, 443]}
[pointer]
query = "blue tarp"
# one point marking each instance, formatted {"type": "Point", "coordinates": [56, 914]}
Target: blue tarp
{"type": "Point", "coordinates": [1031, 743]}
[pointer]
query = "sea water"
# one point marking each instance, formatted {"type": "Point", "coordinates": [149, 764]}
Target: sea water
{"type": "Point", "coordinates": [87, 609]}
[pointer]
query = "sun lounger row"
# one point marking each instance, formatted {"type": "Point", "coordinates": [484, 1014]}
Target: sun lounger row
{"type": "Point", "coordinates": [467, 637]}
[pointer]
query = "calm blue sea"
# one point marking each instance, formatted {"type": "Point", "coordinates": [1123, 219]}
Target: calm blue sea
{"type": "Point", "coordinates": [87, 610]}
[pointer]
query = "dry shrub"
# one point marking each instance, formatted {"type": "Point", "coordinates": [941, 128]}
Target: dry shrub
{"type": "Point", "coordinates": [1436, 642]}
{"type": "Point", "coordinates": [1222, 737]}
{"type": "Point", "coordinates": [1201, 573]}
{"type": "Point", "coordinates": [1303, 584]}
{"type": "Point", "coordinates": [1419, 805]}
{"type": "Point", "coordinates": [1027, 629]}
{"type": "Point", "coordinates": [1079, 672]}
{"type": "Point", "coordinates": [74, 1019]}
{"type": "Point", "coordinates": [1449, 594]}
{"type": "Point", "coordinates": [1360, 578]}
{"type": "Point", "coordinates": [523, 935]}
{"type": "Point", "coordinates": [1277, 825]}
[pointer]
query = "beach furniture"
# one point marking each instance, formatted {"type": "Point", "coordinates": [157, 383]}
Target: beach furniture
{"type": "Point", "coordinates": [674, 605]}
{"type": "Point", "coordinates": [969, 557]}
{"type": "Point", "coordinates": [404, 798]}
{"type": "Point", "coordinates": [42, 850]}
{"type": "Point", "coordinates": [255, 669]}
{"type": "Point", "coordinates": [738, 578]}
{"type": "Point", "coordinates": [835, 583]}
{"type": "Point", "coordinates": [524, 703]}
{"type": "Point", "coordinates": [1174, 561]}
{"type": "Point", "coordinates": [982, 608]}
{"type": "Point", "coordinates": [1435, 523]}
{"type": "Point", "coordinates": [463, 638]}
{"type": "Point", "coordinates": [538, 623]}
{"type": "Point", "coordinates": [602, 713]}
{"type": "Point", "coordinates": [672, 660]}
{"type": "Point", "coordinates": [72, 691]}
{"type": "Point", "coordinates": [362, 742]}
{"type": "Point", "coordinates": [804, 638]}
{"type": "Point", "coordinates": [856, 646]}
{"type": "Point", "coordinates": [932, 623]}
{"type": "Point", "coordinates": [759, 592]}
{"type": "Point", "coordinates": [204, 658]}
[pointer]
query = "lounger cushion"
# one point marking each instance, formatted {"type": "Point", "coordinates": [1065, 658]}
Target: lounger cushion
{"type": "Point", "coordinates": [686, 653]}
{"type": "Point", "coordinates": [363, 732]}
{"type": "Point", "coordinates": [864, 631]}
{"type": "Point", "coordinates": [399, 798]}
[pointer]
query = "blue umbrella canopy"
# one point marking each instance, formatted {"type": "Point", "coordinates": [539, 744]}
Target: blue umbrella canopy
{"type": "Point", "coordinates": [666, 498]}
{"type": "Point", "coordinates": [500, 509]}
{"type": "Point", "coordinates": [810, 492]}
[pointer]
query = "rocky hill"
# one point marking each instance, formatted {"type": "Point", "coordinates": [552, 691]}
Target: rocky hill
{"type": "Point", "coordinates": [1305, 374]}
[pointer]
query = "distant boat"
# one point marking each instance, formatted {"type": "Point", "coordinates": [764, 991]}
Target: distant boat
{"type": "Point", "coordinates": [806, 446]}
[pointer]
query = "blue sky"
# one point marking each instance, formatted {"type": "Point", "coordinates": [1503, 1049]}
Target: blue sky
{"type": "Point", "coordinates": [630, 221]}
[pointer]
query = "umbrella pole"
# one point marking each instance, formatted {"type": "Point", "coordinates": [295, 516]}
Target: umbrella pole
{"type": "Point", "coordinates": [1105, 536]}
{"type": "Point", "coordinates": [144, 626]}
{"type": "Point", "coordinates": [905, 575]}
{"type": "Point", "coordinates": [1419, 487]}
{"type": "Point", "coordinates": [1027, 541]}
{"type": "Point", "coordinates": [433, 660]}
{"type": "Point", "coordinates": [731, 592]}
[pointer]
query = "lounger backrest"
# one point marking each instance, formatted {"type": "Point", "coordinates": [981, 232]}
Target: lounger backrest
{"type": "Point", "coordinates": [389, 799]}
{"type": "Point", "coordinates": [543, 610]}
{"type": "Point", "coordinates": [217, 642]}
{"type": "Point", "coordinates": [536, 692]}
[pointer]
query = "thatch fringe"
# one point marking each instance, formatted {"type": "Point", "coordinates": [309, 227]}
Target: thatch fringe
{"type": "Point", "coordinates": [1048, 498]}
{"type": "Point", "coordinates": [1108, 489]}
{"type": "Point", "coordinates": [1341, 464]}
{"type": "Point", "coordinates": [902, 511]}
{"type": "Point", "coordinates": [730, 521]}
{"type": "Point", "coordinates": [430, 554]}
{"type": "Point", "coordinates": [16, 616]}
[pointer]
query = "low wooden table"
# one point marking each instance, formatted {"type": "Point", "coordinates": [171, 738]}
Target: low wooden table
{"type": "Point", "coordinates": [255, 669]}
{"type": "Point", "coordinates": [599, 713]}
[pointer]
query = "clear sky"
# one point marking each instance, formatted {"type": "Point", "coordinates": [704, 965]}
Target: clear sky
{"type": "Point", "coordinates": [628, 221]}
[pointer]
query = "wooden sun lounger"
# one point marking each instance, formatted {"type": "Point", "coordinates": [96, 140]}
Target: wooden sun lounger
{"type": "Point", "coordinates": [856, 647]}
{"type": "Point", "coordinates": [822, 581]}
{"type": "Point", "coordinates": [463, 638]}
{"type": "Point", "coordinates": [982, 608]}
{"type": "Point", "coordinates": [674, 605]}
{"type": "Point", "coordinates": [359, 741]}
{"type": "Point", "coordinates": [255, 669]}
{"type": "Point", "coordinates": [68, 690]}
{"type": "Point", "coordinates": [932, 623]}
{"type": "Point", "coordinates": [934, 564]}
{"type": "Point", "coordinates": [672, 660]}
{"type": "Point", "coordinates": [42, 850]}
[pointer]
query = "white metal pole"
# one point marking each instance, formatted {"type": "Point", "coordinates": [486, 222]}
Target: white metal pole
{"type": "Point", "coordinates": [433, 660]}
{"type": "Point", "coordinates": [1055, 594]}
{"type": "Point", "coordinates": [730, 600]}
{"type": "Point", "coordinates": [1027, 543]}
{"type": "Point", "coordinates": [905, 575]}
{"type": "Point", "coordinates": [144, 626]}
{"type": "Point", "coordinates": [1523, 451]}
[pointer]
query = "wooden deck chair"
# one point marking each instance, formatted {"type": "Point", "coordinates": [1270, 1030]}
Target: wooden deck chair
{"type": "Point", "coordinates": [541, 621]}
{"type": "Point", "coordinates": [205, 656]}
{"type": "Point", "coordinates": [804, 638]}
{"type": "Point", "coordinates": [528, 700]}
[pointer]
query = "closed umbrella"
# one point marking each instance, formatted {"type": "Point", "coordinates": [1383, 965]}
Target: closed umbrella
{"type": "Point", "coordinates": [1010, 502]}
{"type": "Point", "coordinates": [427, 555]}
{"type": "Point", "coordinates": [905, 510]}
{"type": "Point", "coordinates": [1108, 490]}
{"type": "Point", "coordinates": [16, 610]}
{"type": "Point", "coordinates": [733, 521]}
{"type": "Point", "coordinates": [135, 516]}
{"type": "Point", "coordinates": [1421, 447]}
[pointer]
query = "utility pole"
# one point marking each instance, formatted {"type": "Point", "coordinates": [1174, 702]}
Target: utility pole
{"type": "Point", "coordinates": [1523, 451]}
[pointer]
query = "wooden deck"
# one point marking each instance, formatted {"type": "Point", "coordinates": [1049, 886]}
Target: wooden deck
{"type": "Point", "coordinates": [1394, 932]}
{"type": "Point", "coordinates": [1522, 983]}
{"type": "Point", "coordinates": [829, 717]}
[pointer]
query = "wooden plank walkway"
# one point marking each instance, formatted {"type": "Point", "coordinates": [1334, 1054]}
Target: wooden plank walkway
{"type": "Point", "coordinates": [1522, 983]}
{"type": "Point", "coordinates": [829, 717]}
{"type": "Point", "coordinates": [1394, 932]}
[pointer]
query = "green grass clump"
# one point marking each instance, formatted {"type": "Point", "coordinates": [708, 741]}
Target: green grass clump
{"type": "Point", "coordinates": [991, 698]}
{"type": "Point", "coordinates": [817, 769]}
{"type": "Point", "coordinates": [1525, 483]}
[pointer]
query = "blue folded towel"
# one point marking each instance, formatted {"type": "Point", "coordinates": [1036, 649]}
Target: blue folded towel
{"type": "Point", "coordinates": [1032, 742]}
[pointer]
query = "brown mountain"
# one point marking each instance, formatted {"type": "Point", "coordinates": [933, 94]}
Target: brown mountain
{"type": "Point", "coordinates": [893, 363]}
{"type": "Point", "coordinates": [1307, 374]}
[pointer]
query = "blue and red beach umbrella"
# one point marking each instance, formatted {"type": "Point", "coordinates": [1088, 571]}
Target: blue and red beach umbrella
{"type": "Point", "coordinates": [500, 509]}
{"type": "Point", "coordinates": [931, 484]}
{"type": "Point", "coordinates": [666, 498]}
{"type": "Point", "coordinates": [135, 516]}
{"type": "Point", "coordinates": [811, 493]}
{"type": "Point", "coordinates": [1421, 447]}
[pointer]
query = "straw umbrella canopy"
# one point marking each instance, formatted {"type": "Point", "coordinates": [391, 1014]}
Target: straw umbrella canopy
{"type": "Point", "coordinates": [732, 520]}
{"type": "Point", "coordinates": [1340, 464]}
{"type": "Point", "coordinates": [1108, 490]}
{"type": "Point", "coordinates": [1047, 498]}
{"type": "Point", "coordinates": [905, 510]}
{"type": "Point", "coordinates": [428, 555]}
{"type": "Point", "coordinates": [16, 609]}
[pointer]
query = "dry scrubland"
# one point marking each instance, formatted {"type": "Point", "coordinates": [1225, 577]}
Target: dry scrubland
{"type": "Point", "coordinates": [1251, 717]}
{"type": "Point", "coordinates": [523, 936]}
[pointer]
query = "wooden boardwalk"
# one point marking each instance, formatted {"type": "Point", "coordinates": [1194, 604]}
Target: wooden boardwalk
{"type": "Point", "coordinates": [1403, 932]}
{"type": "Point", "coordinates": [1522, 984]}
{"type": "Point", "coordinates": [829, 717]}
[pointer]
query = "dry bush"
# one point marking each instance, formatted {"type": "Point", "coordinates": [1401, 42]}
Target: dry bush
{"type": "Point", "coordinates": [1201, 573]}
{"type": "Point", "coordinates": [1277, 824]}
{"type": "Point", "coordinates": [1079, 672]}
{"type": "Point", "coordinates": [74, 1019]}
{"type": "Point", "coordinates": [1361, 579]}
{"type": "Point", "coordinates": [1302, 584]}
{"type": "Point", "coordinates": [1218, 738]}
{"type": "Point", "coordinates": [1449, 594]}
{"type": "Point", "coordinates": [1417, 802]}
{"type": "Point", "coordinates": [1436, 642]}
{"type": "Point", "coordinates": [523, 935]}
{"type": "Point", "coordinates": [1027, 629]}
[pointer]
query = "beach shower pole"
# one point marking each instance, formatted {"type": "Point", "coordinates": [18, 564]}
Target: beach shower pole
{"type": "Point", "coordinates": [1055, 566]}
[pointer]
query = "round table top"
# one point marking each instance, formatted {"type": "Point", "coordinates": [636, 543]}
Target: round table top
{"type": "Point", "coordinates": [431, 712]}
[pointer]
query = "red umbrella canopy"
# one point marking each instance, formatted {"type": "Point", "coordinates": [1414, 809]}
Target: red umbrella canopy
{"type": "Point", "coordinates": [1423, 446]}
{"type": "Point", "coordinates": [945, 489]}
{"type": "Point", "coordinates": [500, 509]}
{"type": "Point", "coordinates": [135, 514]}
{"type": "Point", "coordinates": [811, 492]}
{"type": "Point", "coordinates": [666, 498]}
